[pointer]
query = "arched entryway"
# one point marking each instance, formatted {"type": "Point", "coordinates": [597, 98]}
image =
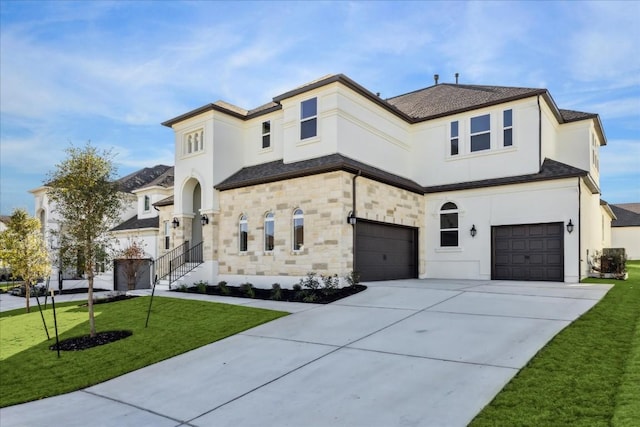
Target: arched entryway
{"type": "Point", "coordinates": [191, 205]}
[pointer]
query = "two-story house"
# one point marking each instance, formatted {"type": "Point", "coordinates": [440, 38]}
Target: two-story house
{"type": "Point", "coordinates": [451, 181]}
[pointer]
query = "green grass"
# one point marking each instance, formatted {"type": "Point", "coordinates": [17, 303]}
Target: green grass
{"type": "Point", "coordinates": [29, 370]}
{"type": "Point", "coordinates": [588, 375]}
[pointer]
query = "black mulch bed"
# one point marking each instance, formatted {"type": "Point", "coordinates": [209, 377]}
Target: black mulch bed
{"type": "Point", "coordinates": [318, 296]}
{"type": "Point", "coordinates": [86, 341]}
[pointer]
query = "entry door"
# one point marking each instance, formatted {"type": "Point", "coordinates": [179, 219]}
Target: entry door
{"type": "Point", "coordinates": [528, 252]}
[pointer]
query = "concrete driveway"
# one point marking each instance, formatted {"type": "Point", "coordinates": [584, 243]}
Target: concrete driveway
{"type": "Point", "coordinates": [402, 353]}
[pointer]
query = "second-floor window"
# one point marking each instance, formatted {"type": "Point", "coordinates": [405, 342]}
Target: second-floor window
{"type": "Point", "coordinates": [481, 133]}
{"type": "Point", "coordinates": [309, 118]}
{"type": "Point", "coordinates": [507, 128]}
{"type": "Point", "coordinates": [266, 134]}
{"type": "Point", "coordinates": [269, 232]}
{"type": "Point", "coordinates": [147, 203]}
{"type": "Point", "coordinates": [454, 139]}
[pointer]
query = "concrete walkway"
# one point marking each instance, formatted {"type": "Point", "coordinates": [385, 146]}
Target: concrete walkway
{"type": "Point", "coordinates": [402, 353]}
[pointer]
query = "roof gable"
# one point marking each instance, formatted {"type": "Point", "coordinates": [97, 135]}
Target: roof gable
{"type": "Point", "coordinates": [141, 178]}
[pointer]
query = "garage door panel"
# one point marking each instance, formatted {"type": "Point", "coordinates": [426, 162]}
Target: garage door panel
{"type": "Point", "coordinates": [528, 252]}
{"type": "Point", "coordinates": [385, 251]}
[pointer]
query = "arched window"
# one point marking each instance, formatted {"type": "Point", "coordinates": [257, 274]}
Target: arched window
{"type": "Point", "coordinates": [269, 230]}
{"type": "Point", "coordinates": [449, 224]}
{"type": "Point", "coordinates": [298, 229]}
{"type": "Point", "coordinates": [243, 233]}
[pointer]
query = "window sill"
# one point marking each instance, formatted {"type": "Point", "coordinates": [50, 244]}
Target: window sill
{"type": "Point", "coordinates": [481, 153]}
{"type": "Point", "coordinates": [307, 141]}
{"type": "Point", "coordinates": [448, 249]}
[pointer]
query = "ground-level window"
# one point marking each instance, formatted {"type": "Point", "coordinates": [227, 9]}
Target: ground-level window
{"type": "Point", "coordinates": [449, 225]}
{"type": "Point", "coordinates": [269, 230]}
{"type": "Point", "coordinates": [298, 229]}
{"type": "Point", "coordinates": [481, 133]}
{"type": "Point", "coordinates": [309, 118]}
{"type": "Point", "coordinates": [167, 234]}
{"type": "Point", "coordinates": [243, 233]}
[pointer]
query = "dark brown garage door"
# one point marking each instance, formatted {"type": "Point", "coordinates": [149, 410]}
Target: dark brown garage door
{"type": "Point", "coordinates": [528, 252]}
{"type": "Point", "coordinates": [386, 252]}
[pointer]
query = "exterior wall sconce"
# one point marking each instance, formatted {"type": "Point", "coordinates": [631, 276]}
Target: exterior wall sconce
{"type": "Point", "coordinates": [175, 222]}
{"type": "Point", "coordinates": [351, 218]}
{"type": "Point", "coordinates": [569, 226]}
{"type": "Point", "coordinates": [204, 220]}
{"type": "Point", "coordinates": [473, 231]}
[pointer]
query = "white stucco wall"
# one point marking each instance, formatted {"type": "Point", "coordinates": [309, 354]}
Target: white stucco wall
{"type": "Point", "coordinates": [628, 238]}
{"type": "Point", "coordinates": [544, 202]}
{"type": "Point", "coordinates": [433, 164]}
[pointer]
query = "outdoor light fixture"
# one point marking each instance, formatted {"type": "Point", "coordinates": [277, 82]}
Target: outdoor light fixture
{"type": "Point", "coordinates": [569, 227]}
{"type": "Point", "coordinates": [175, 222]}
{"type": "Point", "coordinates": [473, 231]}
{"type": "Point", "coordinates": [204, 220]}
{"type": "Point", "coordinates": [351, 218]}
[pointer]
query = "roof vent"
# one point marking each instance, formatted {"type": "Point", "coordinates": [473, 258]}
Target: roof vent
{"type": "Point", "coordinates": [378, 94]}
{"type": "Point", "coordinates": [457, 75]}
{"type": "Point", "coordinates": [436, 77]}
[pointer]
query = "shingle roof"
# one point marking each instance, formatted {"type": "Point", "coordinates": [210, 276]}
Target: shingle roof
{"type": "Point", "coordinates": [574, 116]}
{"type": "Point", "coordinates": [444, 99]}
{"type": "Point", "coordinates": [141, 178]}
{"type": "Point", "coordinates": [628, 215]}
{"type": "Point", "coordinates": [550, 169]}
{"type": "Point", "coordinates": [165, 202]}
{"type": "Point", "coordinates": [164, 180]}
{"type": "Point", "coordinates": [278, 170]}
{"type": "Point", "coordinates": [135, 224]}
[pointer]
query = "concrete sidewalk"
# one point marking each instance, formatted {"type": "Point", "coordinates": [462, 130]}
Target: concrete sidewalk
{"type": "Point", "coordinates": [410, 352]}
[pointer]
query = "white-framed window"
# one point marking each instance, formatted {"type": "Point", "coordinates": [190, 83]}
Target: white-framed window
{"type": "Point", "coordinates": [309, 118]}
{"type": "Point", "coordinates": [507, 128]}
{"type": "Point", "coordinates": [449, 225]}
{"type": "Point", "coordinates": [481, 133]}
{"type": "Point", "coordinates": [298, 230]}
{"type": "Point", "coordinates": [167, 235]}
{"type": "Point", "coordinates": [147, 203]}
{"type": "Point", "coordinates": [243, 234]}
{"type": "Point", "coordinates": [193, 142]}
{"type": "Point", "coordinates": [269, 232]}
{"type": "Point", "coordinates": [454, 139]}
{"type": "Point", "coordinates": [266, 134]}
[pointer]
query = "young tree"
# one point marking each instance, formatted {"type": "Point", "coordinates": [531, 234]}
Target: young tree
{"type": "Point", "coordinates": [23, 247]}
{"type": "Point", "coordinates": [85, 196]}
{"type": "Point", "coordinates": [133, 259]}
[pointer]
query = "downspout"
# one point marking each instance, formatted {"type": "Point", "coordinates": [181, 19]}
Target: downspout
{"type": "Point", "coordinates": [579, 231]}
{"type": "Point", "coordinates": [353, 215]}
{"type": "Point", "coordinates": [539, 134]}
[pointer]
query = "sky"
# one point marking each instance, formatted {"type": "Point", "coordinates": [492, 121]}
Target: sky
{"type": "Point", "coordinates": [111, 72]}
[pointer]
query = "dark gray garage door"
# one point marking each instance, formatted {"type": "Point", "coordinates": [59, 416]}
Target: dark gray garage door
{"type": "Point", "coordinates": [386, 252]}
{"type": "Point", "coordinates": [528, 252]}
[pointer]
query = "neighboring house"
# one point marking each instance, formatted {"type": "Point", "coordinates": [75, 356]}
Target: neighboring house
{"type": "Point", "coordinates": [625, 229]}
{"type": "Point", "coordinates": [5, 269]}
{"type": "Point", "coordinates": [451, 181]}
{"type": "Point", "coordinates": [139, 220]}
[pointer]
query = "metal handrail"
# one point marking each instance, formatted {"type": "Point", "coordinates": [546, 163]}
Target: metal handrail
{"type": "Point", "coordinates": [185, 262]}
{"type": "Point", "coordinates": [163, 264]}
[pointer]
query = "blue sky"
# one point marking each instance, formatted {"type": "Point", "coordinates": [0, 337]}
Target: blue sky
{"type": "Point", "coordinates": [111, 72]}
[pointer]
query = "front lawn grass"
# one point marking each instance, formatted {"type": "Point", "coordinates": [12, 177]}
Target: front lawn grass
{"type": "Point", "coordinates": [30, 371]}
{"type": "Point", "coordinates": [588, 375]}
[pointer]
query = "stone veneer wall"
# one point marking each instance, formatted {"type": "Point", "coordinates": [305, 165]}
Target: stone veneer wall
{"type": "Point", "coordinates": [326, 200]}
{"type": "Point", "coordinates": [385, 203]}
